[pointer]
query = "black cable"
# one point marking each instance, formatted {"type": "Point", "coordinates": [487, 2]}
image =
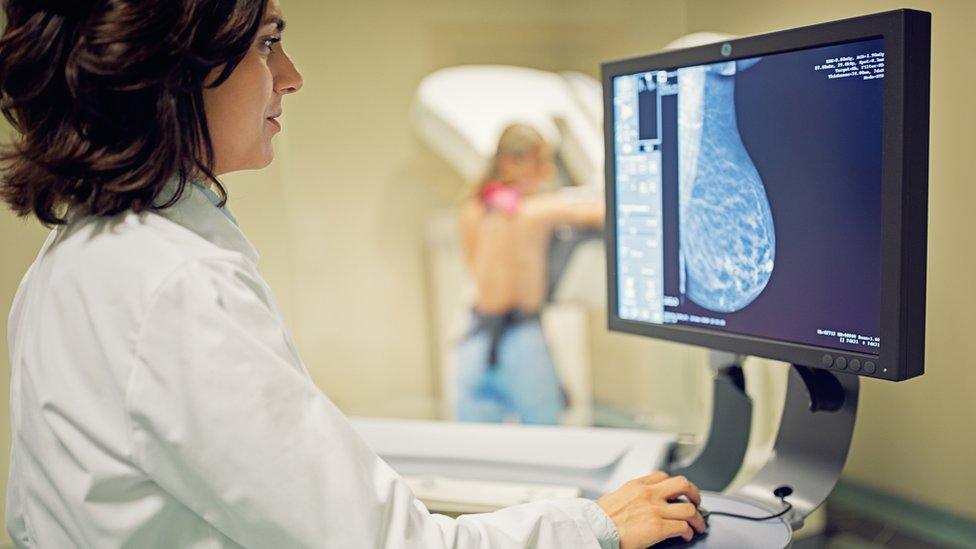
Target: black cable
{"type": "Point", "coordinates": [781, 492]}
{"type": "Point", "coordinates": [789, 506]}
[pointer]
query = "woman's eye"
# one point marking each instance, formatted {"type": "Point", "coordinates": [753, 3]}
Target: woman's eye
{"type": "Point", "coordinates": [269, 42]}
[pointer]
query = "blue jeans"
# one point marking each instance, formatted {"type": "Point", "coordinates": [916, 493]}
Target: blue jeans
{"type": "Point", "coordinates": [522, 382]}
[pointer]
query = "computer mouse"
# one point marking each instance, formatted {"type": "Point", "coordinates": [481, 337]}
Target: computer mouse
{"type": "Point", "coordinates": [701, 510]}
{"type": "Point", "coordinates": [680, 542]}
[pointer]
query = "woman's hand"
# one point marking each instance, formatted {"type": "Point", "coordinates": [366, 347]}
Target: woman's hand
{"type": "Point", "coordinates": [643, 515]}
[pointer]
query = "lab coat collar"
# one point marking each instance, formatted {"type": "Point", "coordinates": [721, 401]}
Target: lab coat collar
{"type": "Point", "coordinates": [198, 210]}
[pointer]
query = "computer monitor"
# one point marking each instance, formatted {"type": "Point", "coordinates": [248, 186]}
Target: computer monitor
{"type": "Point", "coordinates": [768, 195]}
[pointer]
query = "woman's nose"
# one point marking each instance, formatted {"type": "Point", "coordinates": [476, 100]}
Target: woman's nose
{"type": "Point", "coordinates": [289, 79]}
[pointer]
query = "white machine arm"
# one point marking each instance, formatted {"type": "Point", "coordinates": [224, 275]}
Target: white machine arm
{"type": "Point", "coordinates": [461, 111]}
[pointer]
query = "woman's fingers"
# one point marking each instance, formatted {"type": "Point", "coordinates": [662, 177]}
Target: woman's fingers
{"type": "Point", "coordinates": [686, 512]}
{"type": "Point", "coordinates": [676, 487]}
{"type": "Point", "coordinates": [676, 528]}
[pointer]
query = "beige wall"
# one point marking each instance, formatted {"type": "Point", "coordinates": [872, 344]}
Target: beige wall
{"type": "Point", "coordinates": [914, 438]}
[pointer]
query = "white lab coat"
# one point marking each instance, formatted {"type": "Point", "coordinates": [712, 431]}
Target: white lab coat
{"type": "Point", "coordinates": [157, 400]}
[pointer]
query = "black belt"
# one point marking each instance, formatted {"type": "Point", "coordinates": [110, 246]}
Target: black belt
{"type": "Point", "coordinates": [496, 326]}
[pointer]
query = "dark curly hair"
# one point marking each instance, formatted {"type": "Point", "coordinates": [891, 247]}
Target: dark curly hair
{"type": "Point", "coordinates": [107, 99]}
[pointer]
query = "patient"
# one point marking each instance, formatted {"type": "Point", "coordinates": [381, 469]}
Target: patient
{"type": "Point", "coordinates": [504, 365]}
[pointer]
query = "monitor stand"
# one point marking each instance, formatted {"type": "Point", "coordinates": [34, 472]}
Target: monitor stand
{"type": "Point", "coordinates": [812, 443]}
{"type": "Point", "coordinates": [716, 462]}
{"type": "Point", "coordinates": [807, 457]}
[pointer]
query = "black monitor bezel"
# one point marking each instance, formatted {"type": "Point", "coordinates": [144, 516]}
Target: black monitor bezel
{"type": "Point", "coordinates": [904, 199]}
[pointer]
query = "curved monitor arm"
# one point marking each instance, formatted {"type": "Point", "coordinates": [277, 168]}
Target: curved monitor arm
{"type": "Point", "coordinates": [811, 445]}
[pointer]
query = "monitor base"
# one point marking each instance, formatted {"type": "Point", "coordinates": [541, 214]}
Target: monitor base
{"type": "Point", "coordinates": [811, 445]}
{"type": "Point", "coordinates": [735, 533]}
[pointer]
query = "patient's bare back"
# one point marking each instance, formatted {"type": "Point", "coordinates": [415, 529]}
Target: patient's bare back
{"type": "Point", "coordinates": [506, 251]}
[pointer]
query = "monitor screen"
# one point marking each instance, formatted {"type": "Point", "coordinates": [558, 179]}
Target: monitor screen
{"type": "Point", "coordinates": [749, 195]}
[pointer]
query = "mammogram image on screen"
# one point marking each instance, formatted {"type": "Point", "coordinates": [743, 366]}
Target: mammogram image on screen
{"type": "Point", "coordinates": [747, 195]}
{"type": "Point", "coordinates": [727, 235]}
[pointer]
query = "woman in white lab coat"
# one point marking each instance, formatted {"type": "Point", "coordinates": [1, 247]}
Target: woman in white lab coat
{"type": "Point", "coordinates": [157, 399]}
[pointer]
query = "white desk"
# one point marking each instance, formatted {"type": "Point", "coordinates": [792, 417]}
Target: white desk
{"type": "Point", "coordinates": [468, 467]}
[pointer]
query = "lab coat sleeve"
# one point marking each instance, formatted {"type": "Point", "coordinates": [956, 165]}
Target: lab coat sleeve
{"type": "Point", "coordinates": [224, 418]}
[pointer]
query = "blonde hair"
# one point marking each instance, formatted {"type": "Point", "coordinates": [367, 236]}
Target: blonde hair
{"type": "Point", "coordinates": [516, 141]}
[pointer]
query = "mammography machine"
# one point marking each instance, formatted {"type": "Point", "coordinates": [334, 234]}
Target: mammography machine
{"type": "Point", "coordinates": [459, 112]}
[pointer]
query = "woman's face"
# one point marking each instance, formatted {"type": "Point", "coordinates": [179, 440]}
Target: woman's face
{"type": "Point", "coordinates": [243, 112]}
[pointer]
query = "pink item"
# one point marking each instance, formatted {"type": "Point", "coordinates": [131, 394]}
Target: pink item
{"type": "Point", "coordinates": [501, 197]}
